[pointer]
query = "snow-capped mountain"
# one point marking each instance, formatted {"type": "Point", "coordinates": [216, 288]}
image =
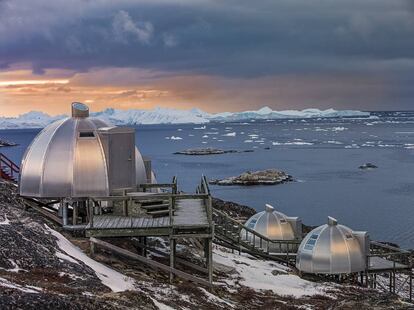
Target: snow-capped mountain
{"type": "Point", "coordinates": [159, 115]}
{"type": "Point", "coordinates": [33, 119]}
{"type": "Point", "coordinates": [268, 113]}
{"type": "Point", "coordinates": [155, 116]}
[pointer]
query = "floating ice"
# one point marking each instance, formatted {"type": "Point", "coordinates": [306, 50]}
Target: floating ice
{"type": "Point", "coordinates": [230, 134]}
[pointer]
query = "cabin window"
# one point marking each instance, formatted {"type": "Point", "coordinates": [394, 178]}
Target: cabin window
{"type": "Point", "coordinates": [282, 221]}
{"type": "Point", "coordinates": [349, 236]}
{"type": "Point", "coordinates": [252, 223]}
{"type": "Point", "coordinates": [86, 134]}
{"type": "Point", "coordinates": [310, 244]}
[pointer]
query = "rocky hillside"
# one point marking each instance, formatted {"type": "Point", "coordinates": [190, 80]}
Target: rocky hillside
{"type": "Point", "coordinates": [42, 268]}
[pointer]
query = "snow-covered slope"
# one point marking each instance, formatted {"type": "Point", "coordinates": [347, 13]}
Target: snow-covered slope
{"type": "Point", "coordinates": [158, 115]}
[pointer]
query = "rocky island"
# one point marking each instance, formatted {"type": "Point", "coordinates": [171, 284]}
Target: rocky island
{"type": "Point", "coordinates": [367, 166]}
{"type": "Point", "coordinates": [208, 151]}
{"type": "Point", "coordinates": [7, 143]}
{"type": "Point", "coordinates": [263, 177]}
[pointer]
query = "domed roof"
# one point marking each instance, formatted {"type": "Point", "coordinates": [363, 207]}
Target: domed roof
{"type": "Point", "coordinates": [272, 224]}
{"type": "Point", "coordinates": [67, 159]}
{"type": "Point", "coordinates": [333, 249]}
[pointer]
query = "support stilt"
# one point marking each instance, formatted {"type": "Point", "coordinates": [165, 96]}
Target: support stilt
{"type": "Point", "coordinates": [208, 253]}
{"type": "Point", "coordinates": [172, 257]}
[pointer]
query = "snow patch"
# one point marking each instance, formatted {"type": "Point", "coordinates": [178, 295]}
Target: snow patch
{"type": "Point", "coordinates": [5, 221]}
{"type": "Point", "coordinates": [160, 305]}
{"type": "Point", "coordinates": [257, 274]}
{"type": "Point", "coordinates": [8, 284]}
{"type": "Point", "coordinates": [116, 281]}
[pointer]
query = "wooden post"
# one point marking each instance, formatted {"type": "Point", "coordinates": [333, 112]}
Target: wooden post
{"type": "Point", "coordinates": [208, 253]}
{"type": "Point", "coordinates": [92, 248]}
{"type": "Point", "coordinates": [172, 258]}
{"type": "Point", "coordinates": [91, 212]}
{"type": "Point", "coordinates": [390, 282]}
{"type": "Point", "coordinates": [124, 204]}
{"type": "Point", "coordinates": [75, 208]}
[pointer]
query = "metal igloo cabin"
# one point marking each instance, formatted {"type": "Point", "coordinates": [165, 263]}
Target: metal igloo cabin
{"type": "Point", "coordinates": [81, 156]}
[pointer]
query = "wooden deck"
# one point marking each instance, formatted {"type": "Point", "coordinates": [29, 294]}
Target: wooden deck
{"type": "Point", "coordinates": [188, 214]}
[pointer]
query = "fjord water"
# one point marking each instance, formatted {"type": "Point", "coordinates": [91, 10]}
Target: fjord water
{"type": "Point", "coordinates": [323, 155]}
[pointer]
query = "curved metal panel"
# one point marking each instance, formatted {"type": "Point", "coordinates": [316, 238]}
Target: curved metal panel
{"type": "Point", "coordinates": [58, 174]}
{"type": "Point", "coordinates": [33, 161]}
{"type": "Point", "coordinates": [331, 249]}
{"type": "Point", "coordinates": [89, 169]}
{"type": "Point", "coordinates": [141, 175]}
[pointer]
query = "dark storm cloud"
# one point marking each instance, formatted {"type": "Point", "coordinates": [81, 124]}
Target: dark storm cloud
{"type": "Point", "coordinates": [232, 38]}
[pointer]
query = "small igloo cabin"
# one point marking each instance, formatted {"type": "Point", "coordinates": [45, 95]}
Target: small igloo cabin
{"type": "Point", "coordinates": [273, 225]}
{"type": "Point", "coordinates": [333, 249]}
{"type": "Point", "coordinates": [81, 156]}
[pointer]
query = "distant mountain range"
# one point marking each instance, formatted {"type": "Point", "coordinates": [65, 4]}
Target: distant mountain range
{"type": "Point", "coordinates": [37, 119]}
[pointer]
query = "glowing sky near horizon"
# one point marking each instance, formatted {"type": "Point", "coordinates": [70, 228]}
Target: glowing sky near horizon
{"type": "Point", "coordinates": [218, 56]}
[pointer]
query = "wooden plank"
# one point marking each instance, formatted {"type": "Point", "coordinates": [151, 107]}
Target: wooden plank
{"type": "Point", "coordinates": [44, 212]}
{"type": "Point", "coordinates": [140, 222]}
{"type": "Point", "coordinates": [149, 262]}
{"type": "Point", "coordinates": [128, 232]}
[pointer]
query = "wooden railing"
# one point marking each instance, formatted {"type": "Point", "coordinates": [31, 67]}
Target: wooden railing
{"type": "Point", "coordinates": [391, 253]}
{"type": "Point", "coordinates": [203, 187]}
{"type": "Point", "coordinates": [172, 185]}
{"type": "Point", "coordinates": [8, 169]}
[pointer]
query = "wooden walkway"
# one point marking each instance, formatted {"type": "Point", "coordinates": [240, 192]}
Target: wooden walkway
{"type": "Point", "coordinates": [190, 212]}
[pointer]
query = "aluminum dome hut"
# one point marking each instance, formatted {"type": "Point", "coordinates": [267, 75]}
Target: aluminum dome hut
{"type": "Point", "coordinates": [273, 225]}
{"type": "Point", "coordinates": [333, 249]}
{"type": "Point", "coordinates": [81, 156]}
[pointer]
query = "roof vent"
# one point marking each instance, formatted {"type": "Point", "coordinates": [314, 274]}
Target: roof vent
{"type": "Point", "coordinates": [269, 208]}
{"type": "Point", "coordinates": [79, 110]}
{"type": "Point", "coordinates": [332, 221]}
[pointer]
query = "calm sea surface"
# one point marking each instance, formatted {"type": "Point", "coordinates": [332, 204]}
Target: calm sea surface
{"type": "Point", "coordinates": [323, 155]}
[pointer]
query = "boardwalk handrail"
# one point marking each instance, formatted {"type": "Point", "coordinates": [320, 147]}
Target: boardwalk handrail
{"type": "Point", "coordinates": [172, 185]}
{"type": "Point", "coordinates": [396, 255]}
{"type": "Point", "coordinates": [6, 162]}
{"type": "Point", "coordinates": [203, 187]}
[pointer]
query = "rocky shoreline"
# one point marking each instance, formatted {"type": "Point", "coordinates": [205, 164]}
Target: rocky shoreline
{"type": "Point", "coordinates": [208, 151]}
{"type": "Point", "coordinates": [263, 177]}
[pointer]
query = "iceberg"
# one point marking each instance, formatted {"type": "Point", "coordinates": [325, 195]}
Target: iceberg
{"type": "Point", "coordinates": [36, 119]}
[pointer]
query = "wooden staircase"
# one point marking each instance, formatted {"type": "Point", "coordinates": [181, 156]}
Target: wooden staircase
{"type": "Point", "coordinates": [8, 169]}
{"type": "Point", "coordinates": [158, 207]}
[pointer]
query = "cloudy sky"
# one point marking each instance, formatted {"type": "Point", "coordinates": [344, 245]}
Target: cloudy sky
{"type": "Point", "coordinates": [218, 55]}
